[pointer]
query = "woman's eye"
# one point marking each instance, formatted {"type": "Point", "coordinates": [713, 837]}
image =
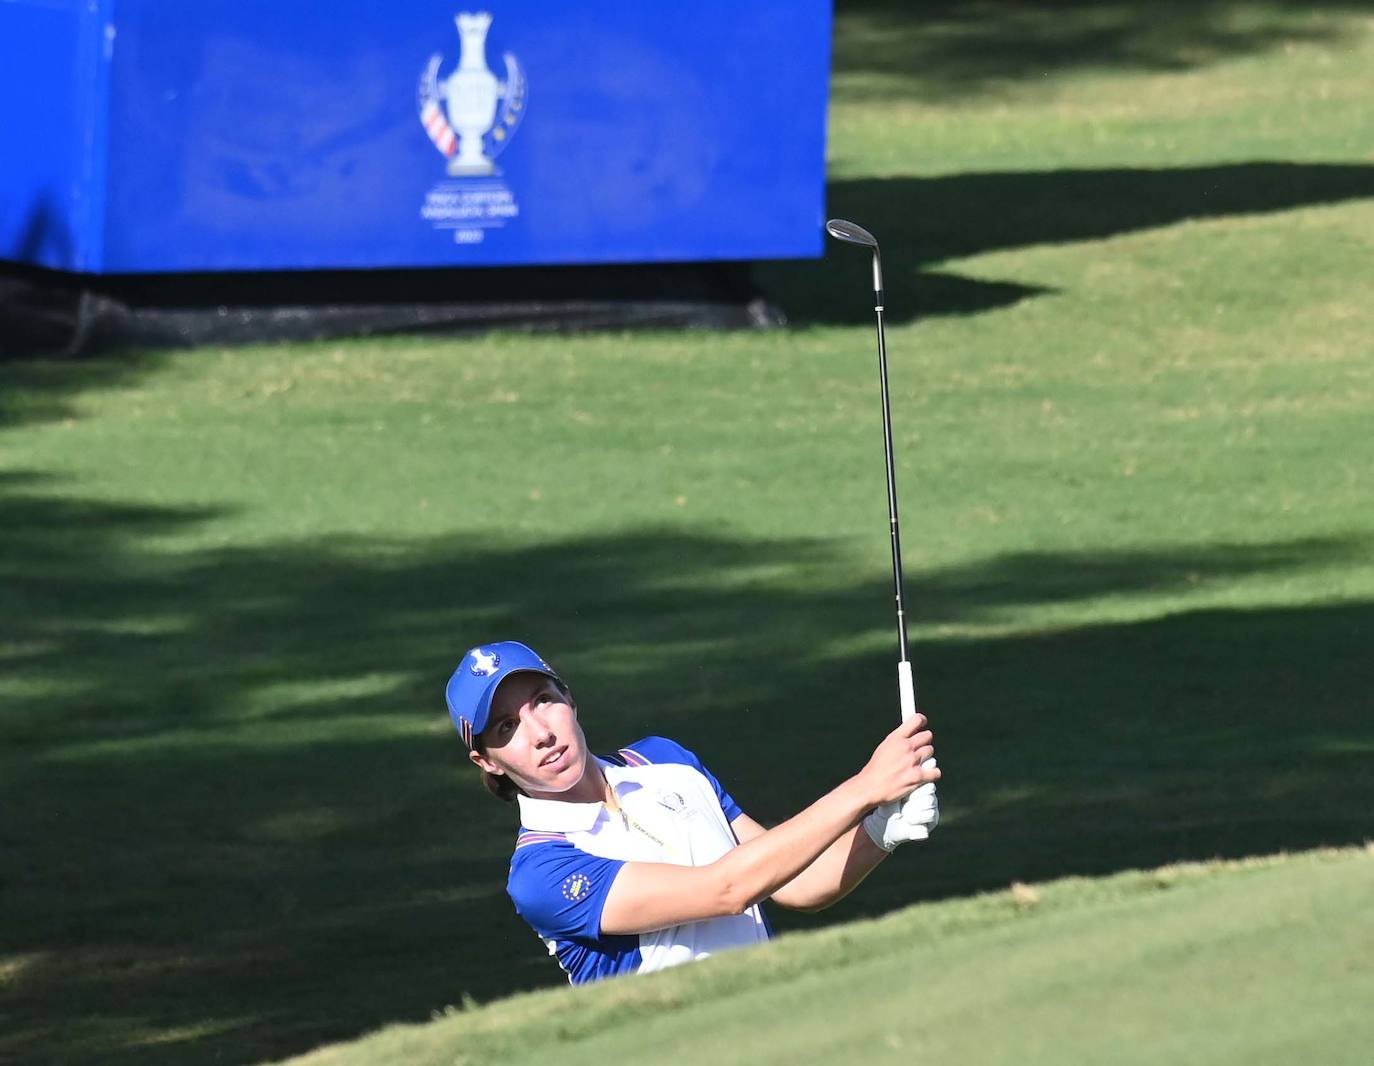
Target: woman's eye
{"type": "Point", "coordinates": [506, 727]}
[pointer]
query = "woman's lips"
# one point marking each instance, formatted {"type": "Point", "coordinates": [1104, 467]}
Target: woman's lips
{"type": "Point", "coordinates": [553, 758]}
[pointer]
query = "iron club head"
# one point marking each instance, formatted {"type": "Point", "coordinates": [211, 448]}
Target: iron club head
{"type": "Point", "coordinates": [844, 230]}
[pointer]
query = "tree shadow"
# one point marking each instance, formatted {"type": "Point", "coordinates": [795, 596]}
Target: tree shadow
{"type": "Point", "coordinates": [37, 390]}
{"type": "Point", "coordinates": [44, 309]}
{"type": "Point", "coordinates": [938, 49]}
{"type": "Point", "coordinates": [235, 822]}
{"type": "Point", "coordinates": [922, 222]}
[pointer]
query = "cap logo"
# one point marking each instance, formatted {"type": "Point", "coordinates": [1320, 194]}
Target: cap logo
{"type": "Point", "coordinates": [484, 663]}
{"type": "Point", "coordinates": [576, 886]}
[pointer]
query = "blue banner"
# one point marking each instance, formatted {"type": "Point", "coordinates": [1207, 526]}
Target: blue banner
{"type": "Point", "coordinates": [156, 135]}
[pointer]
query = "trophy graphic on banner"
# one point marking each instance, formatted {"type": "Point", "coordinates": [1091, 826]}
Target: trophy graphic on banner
{"type": "Point", "coordinates": [483, 111]}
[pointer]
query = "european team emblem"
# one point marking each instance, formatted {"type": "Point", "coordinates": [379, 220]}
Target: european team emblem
{"type": "Point", "coordinates": [484, 663]}
{"type": "Point", "coordinates": [576, 886]}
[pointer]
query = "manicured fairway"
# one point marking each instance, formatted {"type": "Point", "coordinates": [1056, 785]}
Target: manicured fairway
{"type": "Point", "coordinates": [1129, 253]}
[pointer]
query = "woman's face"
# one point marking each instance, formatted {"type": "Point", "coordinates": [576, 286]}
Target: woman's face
{"type": "Point", "coordinates": [532, 736]}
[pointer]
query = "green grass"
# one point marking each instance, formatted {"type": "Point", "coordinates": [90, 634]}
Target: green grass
{"type": "Point", "coordinates": [1133, 385]}
{"type": "Point", "coordinates": [1240, 962]}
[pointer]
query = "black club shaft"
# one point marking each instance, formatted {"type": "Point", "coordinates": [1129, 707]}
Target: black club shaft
{"type": "Point", "coordinates": [851, 233]}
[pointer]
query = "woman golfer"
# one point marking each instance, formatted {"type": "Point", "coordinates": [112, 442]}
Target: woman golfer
{"type": "Point", "coordinates": [640, 860]}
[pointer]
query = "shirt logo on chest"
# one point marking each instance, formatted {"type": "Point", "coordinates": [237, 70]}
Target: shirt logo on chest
{"type": "Point", "coordinates": [673, 801]}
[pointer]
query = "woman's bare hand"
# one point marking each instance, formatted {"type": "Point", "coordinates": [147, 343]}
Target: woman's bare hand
{"type": "Point", "coordinates": [895, 768]}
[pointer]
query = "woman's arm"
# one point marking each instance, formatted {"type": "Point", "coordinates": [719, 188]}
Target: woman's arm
{"type": "Point", "coordinates": [836, 872]}
{"type": "Point", "coordinates": [648, 896]}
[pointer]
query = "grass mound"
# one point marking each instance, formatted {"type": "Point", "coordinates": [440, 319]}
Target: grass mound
{"type": "Point", "coordinates": [1227, 962]}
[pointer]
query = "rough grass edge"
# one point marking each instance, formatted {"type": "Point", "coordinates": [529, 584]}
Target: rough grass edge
{"type": "Point", "coordinates": [568, 1014]}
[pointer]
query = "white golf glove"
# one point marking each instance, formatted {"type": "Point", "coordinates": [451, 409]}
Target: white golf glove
{"type": "Point", "coordinates": [903, 821]}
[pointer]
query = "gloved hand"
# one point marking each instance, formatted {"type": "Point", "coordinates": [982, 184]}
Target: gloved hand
{"type": "Point", "coordinates": [903, 821]}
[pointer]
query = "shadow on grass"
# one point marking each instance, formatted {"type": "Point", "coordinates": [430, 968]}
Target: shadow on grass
{"type": "Point", "coordinates": [943, 48]}
{"type": "Point", "coordinates": [235, 823]}
{"type": "Point", "coordinates": [921, 222]}
{"type": "Point", "coordinates": [37, 390]}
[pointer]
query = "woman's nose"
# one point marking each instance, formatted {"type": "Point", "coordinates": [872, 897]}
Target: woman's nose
{"type": "Point", "coordinates": [540, 724]}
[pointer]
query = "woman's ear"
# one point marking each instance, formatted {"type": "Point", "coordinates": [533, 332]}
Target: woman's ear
{"type": "Point", "coordinates": [483, 763]}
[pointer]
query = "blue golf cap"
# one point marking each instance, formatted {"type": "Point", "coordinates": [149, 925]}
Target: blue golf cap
{"type": "Point", "coordinates": [474, 683]}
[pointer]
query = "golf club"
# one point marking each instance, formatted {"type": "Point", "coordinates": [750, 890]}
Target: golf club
{"type": "Point", "coordinates": [850, 233]}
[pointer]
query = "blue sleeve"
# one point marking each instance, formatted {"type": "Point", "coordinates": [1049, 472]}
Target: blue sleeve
{"type": "Point", "coordinates": [661, 749]}
{"type": "Point", "coordinates": [560, 890]}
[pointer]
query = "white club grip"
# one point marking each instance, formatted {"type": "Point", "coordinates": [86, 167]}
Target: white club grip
{"type": "Point", "coordinates": [906, 689]}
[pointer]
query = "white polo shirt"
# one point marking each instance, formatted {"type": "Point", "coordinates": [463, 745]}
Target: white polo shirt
{"type": "Point", "coordinates": [567, 856]}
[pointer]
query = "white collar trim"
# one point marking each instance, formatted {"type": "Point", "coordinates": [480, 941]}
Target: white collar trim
{"type": "Point", "coordinates": [563, 816]}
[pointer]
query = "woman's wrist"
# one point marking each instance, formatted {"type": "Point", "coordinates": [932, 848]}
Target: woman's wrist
{"type": "Point", "coordinates": [860, 794]}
